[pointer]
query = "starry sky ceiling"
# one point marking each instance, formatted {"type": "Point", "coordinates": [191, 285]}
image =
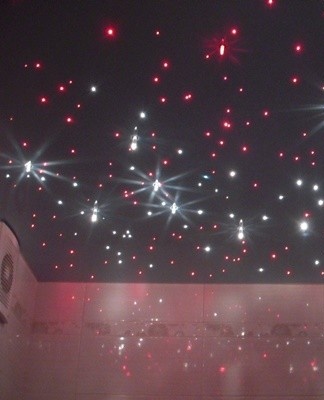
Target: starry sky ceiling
{"type": "Point", "coordinates": [164, 141]}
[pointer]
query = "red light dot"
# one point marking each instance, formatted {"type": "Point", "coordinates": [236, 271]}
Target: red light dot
{"type": "Point", "coordinates": [298, 48]}
{"type": "Point", "coordinates": [295, 80]}
{"type": "Point", "coordinates": [163, 99]}
{"type": "Point", "coordinates": [165, 64]}
{"type": "Point", "coordinates": [110, 32]}
{"type": "Point", "coordinates": [69, 120]}
{"type": "Point", "coordinates": [234, 31]}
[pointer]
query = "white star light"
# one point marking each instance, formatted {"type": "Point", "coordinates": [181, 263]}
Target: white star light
{"type": "Point", "coordinates": [156, 185]}
{"type": "Point", "coordinates": [303, 226]}
{"type": "Point", "coordinates": [95, 210]}
{"type": "Point", "coordinates": [28, 166]}
{"type": "Point", "coordinates": [240, 234]}
{"type": "Point", "coordinates": [174, 208]}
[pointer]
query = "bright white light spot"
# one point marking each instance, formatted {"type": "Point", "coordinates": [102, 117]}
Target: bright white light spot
{"type": "Point", "coordinates": [261, 269]}
{"type": "Point", "coordinates": [134, 140]}
{"type": "Point", "coordinates": [94, 216]}
{"type": "Point", "coordinates": [149, 213]}
{"type": "Point", "coordinates": [174, 208]}
{"type": "Point", "coordinates": [75, 184]}
{"type": "Point", "coordinates": [320, 202]}
{"type": "Point", "coordinates": [317, 262]}
{"type": "Point", "coordinates": [132, 168]}
{"type": "Point", "coordinates": [281, 197]}
{"type": "Point", "coordinates": [142, 114]}
{"type": "Point", "coordinates": [240, 234]}
{"type": "Point", "coordinates": [179, 151]}
{"type": "Point", "coordinates": [232, 174]}
{"type": "Point", "coordinates": [28, 166]}
{"type": "Point", "coordinates": [299, 182]}
{"type": "Point", "coordinates": [60, 202]}
{"type": "Point", "coordinates": [303, 226]}
{"type": "Point", "coordinates": [93, 89]}
{"type": "Point", "coordinates": [156, 185]}
{"type": "Point", "coordinates": [200, 212]}
{"type": "Point", "coordinates": [207, 249]}
{"type": "Point", "coordinates": [315, 188]}
{"type": "Point", "coordinates": [265, 217]}
{"type": "Point", "coordinates": [232, 215]}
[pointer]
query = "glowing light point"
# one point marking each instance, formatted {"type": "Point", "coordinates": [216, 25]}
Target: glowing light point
{"type": "Point", "coordinates": [156, 185]}
{"type": "Point", "coordinates": [320, 202]}
{"type": "Point", "coordinates": [232, 174]}
{"type": "Point", "coordinates": [93, 89]}
{"type": "Point", "coordinates": [28, 166]}
{"type": "Point", "coordinates": [303, 226]}
{"type": "Point", "coordinates": [240, 234]}
{"type": "Point", "coordinates": [134, 140]}
{"type": "Point", "coordinates": [315, 188]}
{"type": "Point", "coordinates": [222, 48]}
{"type": "Point", "coordinates": [207, 249]}
{"type": "Point", "coordinates": [299, 182]}
{"type": "Point", "coordinates": [142, 114]}
{"type": "Point", "coordinates": [94, 216]}
{"type": "Point", "coordinates": [174, 208]}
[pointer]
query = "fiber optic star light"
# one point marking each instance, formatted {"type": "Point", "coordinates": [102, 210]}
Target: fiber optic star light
{"type": "Point", "coordinates": [240, 234]}
{"type": "Point", "coordinates": [28, 167]}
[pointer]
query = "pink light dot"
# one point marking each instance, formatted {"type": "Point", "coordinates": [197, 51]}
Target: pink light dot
{"type": "Point", "coordinates": [69, 120]}
{"type": "Point", "coordinates": [295, 80]}
{"type": "Point", "coordinates": [265, 113]}
{"type": "Point", "coordinates": [157, 33]}
{"type": "Point", "coordinates": [38, 65]}
{"type": "Point", "coordinates": [163, 100]}
{"type": "Point", "coordinates": [222, 369]}
{"type": "Point", "coordinates": [110, 31]}
{"type": "Point", "coordinates": [43, 100]}
{"type": "Point", "coordinates": [234, 31]}
{"type": "Point", "coordinates": [298, 48]}
{"type": "Point", "coordinates": [61, 88]}
{"type": "Point", "coordinates": [165, 64]}
{"type": "Point", "coordinates": [156, 79]}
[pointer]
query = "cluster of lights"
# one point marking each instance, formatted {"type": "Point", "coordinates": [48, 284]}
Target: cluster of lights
{"type": "Point", "coordinates": [180, 179]}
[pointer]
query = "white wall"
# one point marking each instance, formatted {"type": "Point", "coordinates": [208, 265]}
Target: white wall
{"type": "Point", "coordinates": [94, 342]}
